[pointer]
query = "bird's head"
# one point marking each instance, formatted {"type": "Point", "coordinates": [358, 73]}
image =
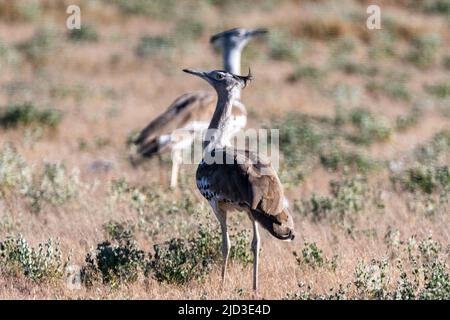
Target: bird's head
{"type": "Point", "coordinates": [237, 37]}
{"type": "Point", "coordinates": [222, 81]}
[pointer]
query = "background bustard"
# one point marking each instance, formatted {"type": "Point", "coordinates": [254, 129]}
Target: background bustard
{"type": "Point", "coordinates": [243, 180]}
{"type": "Point", "coordinates": [190, 113]}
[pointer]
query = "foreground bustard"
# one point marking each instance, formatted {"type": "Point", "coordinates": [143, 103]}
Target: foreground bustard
{"type": "Point", "coordinates": [239, 179]}
{"type": "Point", "coordinates": [175, 128]}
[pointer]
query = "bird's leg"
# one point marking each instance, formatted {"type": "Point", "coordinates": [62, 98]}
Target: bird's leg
{"type": "Point", "coordinates": [225, 249]}
{"type": "Point", "coordinates": [162, 173]}
{"type": "Point", "coordinates": [222, 217]}
{"type": "Point", "coordinates": [176, 161]}
{"type": "Point", "coordinates": [255, 249]}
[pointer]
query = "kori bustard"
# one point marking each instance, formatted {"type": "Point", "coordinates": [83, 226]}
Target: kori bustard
{"type": "Point", "coordinates": [232, 179]}
{"type": "Point", "coordinates": [175, 128]}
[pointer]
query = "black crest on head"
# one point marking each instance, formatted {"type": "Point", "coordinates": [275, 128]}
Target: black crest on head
{"type": "Point", "coordinates": [246, 78]}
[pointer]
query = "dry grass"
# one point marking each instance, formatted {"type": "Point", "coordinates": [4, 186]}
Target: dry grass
{"type": "Point", "coordinates": [104, 91]}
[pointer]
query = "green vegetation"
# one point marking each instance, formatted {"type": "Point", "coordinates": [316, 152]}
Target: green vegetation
{"type": "Point", "coordinates": [149, 46]}
{"type": "Point", "coordinates": [284, 47]}
{"type": "Point", "coordinates": [156, 9]}
{"type": "Point", "coordinates": [189, 29]}
{"type": "Point", "coordinates": [337, 159]}
{"type": "Point", "coordinates": [355, 109]}
{"type": "Point", "coordinates": [305, 73]}
{"type": "Point", "coordinates": [86, 33]}
{"type": "Point", "coordinates": [395, 89]}
{"type": "Point", "coordinates": [119, 260]}
{"type": "Point", "coordinates": [425, 49]}
{"type": "Point", "coordinates": [425, 179]}
{"type": "Point", "coordinates": [446, 62]}
{"type": "Point", "coordinates": [314, 257]}
{"type": "Point", "coordinates": [26, 114]}
{"type": "Point", "coordinates": [44, 262]}
{"type": "Point", "coordinates": [115, 261]}
{"type": "Point", "coordinates": [369, 128]}
{"type": "Point", "coordinates": [348, 197]}
{"type": "Point", "coordinates": [51, 186]}
{"type": "Point", "coordinates": [419, 273]}
{"type": "Point", "coordinates": [440, 90]}
{"type": "Point", "coordinates": [306, 141]}
{"type": "Point", "coordinates": [180, 261]}
{"type": "Point", "coordinates": [408, 121]}
{"type": "Point", "coordinates": [39, 48]}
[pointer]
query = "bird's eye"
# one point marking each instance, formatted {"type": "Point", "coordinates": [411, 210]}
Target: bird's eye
{"type": "Point", "coordinates": [219, 76]}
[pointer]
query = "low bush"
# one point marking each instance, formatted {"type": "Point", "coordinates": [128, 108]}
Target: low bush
{"type": "Point", "coordinates": [86, 33]}
{"type": "Point", "coordinates": [116, 261]}
{"type": "Point", "coordinates": [26, 114]}
{"type": "Point", "coordinates": [180, 261]}
{"type": "Point", "coordinates": [425, 50]}
{"type": "Point", "coordinates": [45, 262]}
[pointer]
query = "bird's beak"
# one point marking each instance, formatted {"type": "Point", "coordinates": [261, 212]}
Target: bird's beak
{"type": "Point", "coordinates": [257, 32]}
{"type": "Point", "coordinates": [200, 74]}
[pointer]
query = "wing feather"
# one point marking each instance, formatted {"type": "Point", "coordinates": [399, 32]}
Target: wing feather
{"type": "Point", "coordinates": [188, 107]}
{"type": "Point", "coordinates": [243, 181]}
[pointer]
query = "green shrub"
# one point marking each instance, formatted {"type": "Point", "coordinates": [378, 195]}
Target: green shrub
{"type": "Point", "coordinates": [153, 45]}
{"type": "Point", "coordinates": [382, 46]}
{"type": "Point", "coordinates": [13, 169]}
{"type": "Point", "coordinates": [54, 186]}
{"type": "Point", "coordinates": [155, 8]}
{"type": "Point", "coordinates": [440, 90]}
{"type": "Point", "coordinates": [305, 73]}
{"type": "Point", "coordinates": [334, 159]}
{"type": "Point", "coordinates": [39, 47]}
{"type": "Point", "coordinates": [27, 114]}
{"type": "Point", "coordinates": [86, 33]}
{"type": "Point", "coordinates": [446, 62]}
{"type": "Point", "coordinates": [425, 179]}
{"type": "Point", "coordinates": [354, 68]}
{"type": "Point", "coordinates": [418, 271]}
{"type": "Point", "coordinates": [348, 196]}
{"type": "Point", "coordinates": [284, 47]}
{"type": "Point", "coordinates": [436, 6]}
{"type": "Point", "coordinates": [343, 46]}
{"type": "Point", "coordinates": [311, 255]}
{"type": "Point", "coordinates": [393, 88]}
{"type": "Point", "coordinates": [307, 140]}
{"type": "Point", "coordinates": [13, 11]}
{"type": "Point", "coordinates": [404, 122]}
{"type": "Point", "coordinates": [435, 149]}
{"type": "Point", "coordinates": [180, 261]}
{"type": "Point", "coordinates": [116, 261]}
{"type": "Point", "coordinates": [298, 137]}
{"type": "Point", "coordinates": [425, 49]}
{"type": "Point", "coordinates": [188, 29]}
{"type": "Point", "coordinates": [308, 293]}
{"type": "Point", "coordinates": [8, 54]}
{"type": "Point", "coordinates": [42, 263]}
{"type": "Point", "coordinates": [371, 280]}
{"type": "Point", "coordinates": [369, 128]}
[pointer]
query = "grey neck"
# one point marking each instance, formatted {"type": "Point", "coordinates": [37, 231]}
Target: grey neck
{"type": "Point", "coordinates": [218, 135]}
{"type": "Point", "coordinates": [232, 60]}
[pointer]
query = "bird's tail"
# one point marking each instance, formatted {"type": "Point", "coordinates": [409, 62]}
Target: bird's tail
{"type": "Point", "coordinates": [281, 225]}
{"type": "Point", "coordinates": [150, 149]}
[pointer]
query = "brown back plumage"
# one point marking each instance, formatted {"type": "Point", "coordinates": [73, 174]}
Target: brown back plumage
{"type": "Point", "coordinates": [188, 107]}
{"type": "Point", "coordinates": [247, 181]}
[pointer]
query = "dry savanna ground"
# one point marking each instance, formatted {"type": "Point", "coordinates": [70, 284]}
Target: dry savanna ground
{"type": "Point", "coordinates": [364, 120]}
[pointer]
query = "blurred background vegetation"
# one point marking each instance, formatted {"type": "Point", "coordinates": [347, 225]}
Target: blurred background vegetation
{"type": "Point", "coordinates": [364, 120]}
